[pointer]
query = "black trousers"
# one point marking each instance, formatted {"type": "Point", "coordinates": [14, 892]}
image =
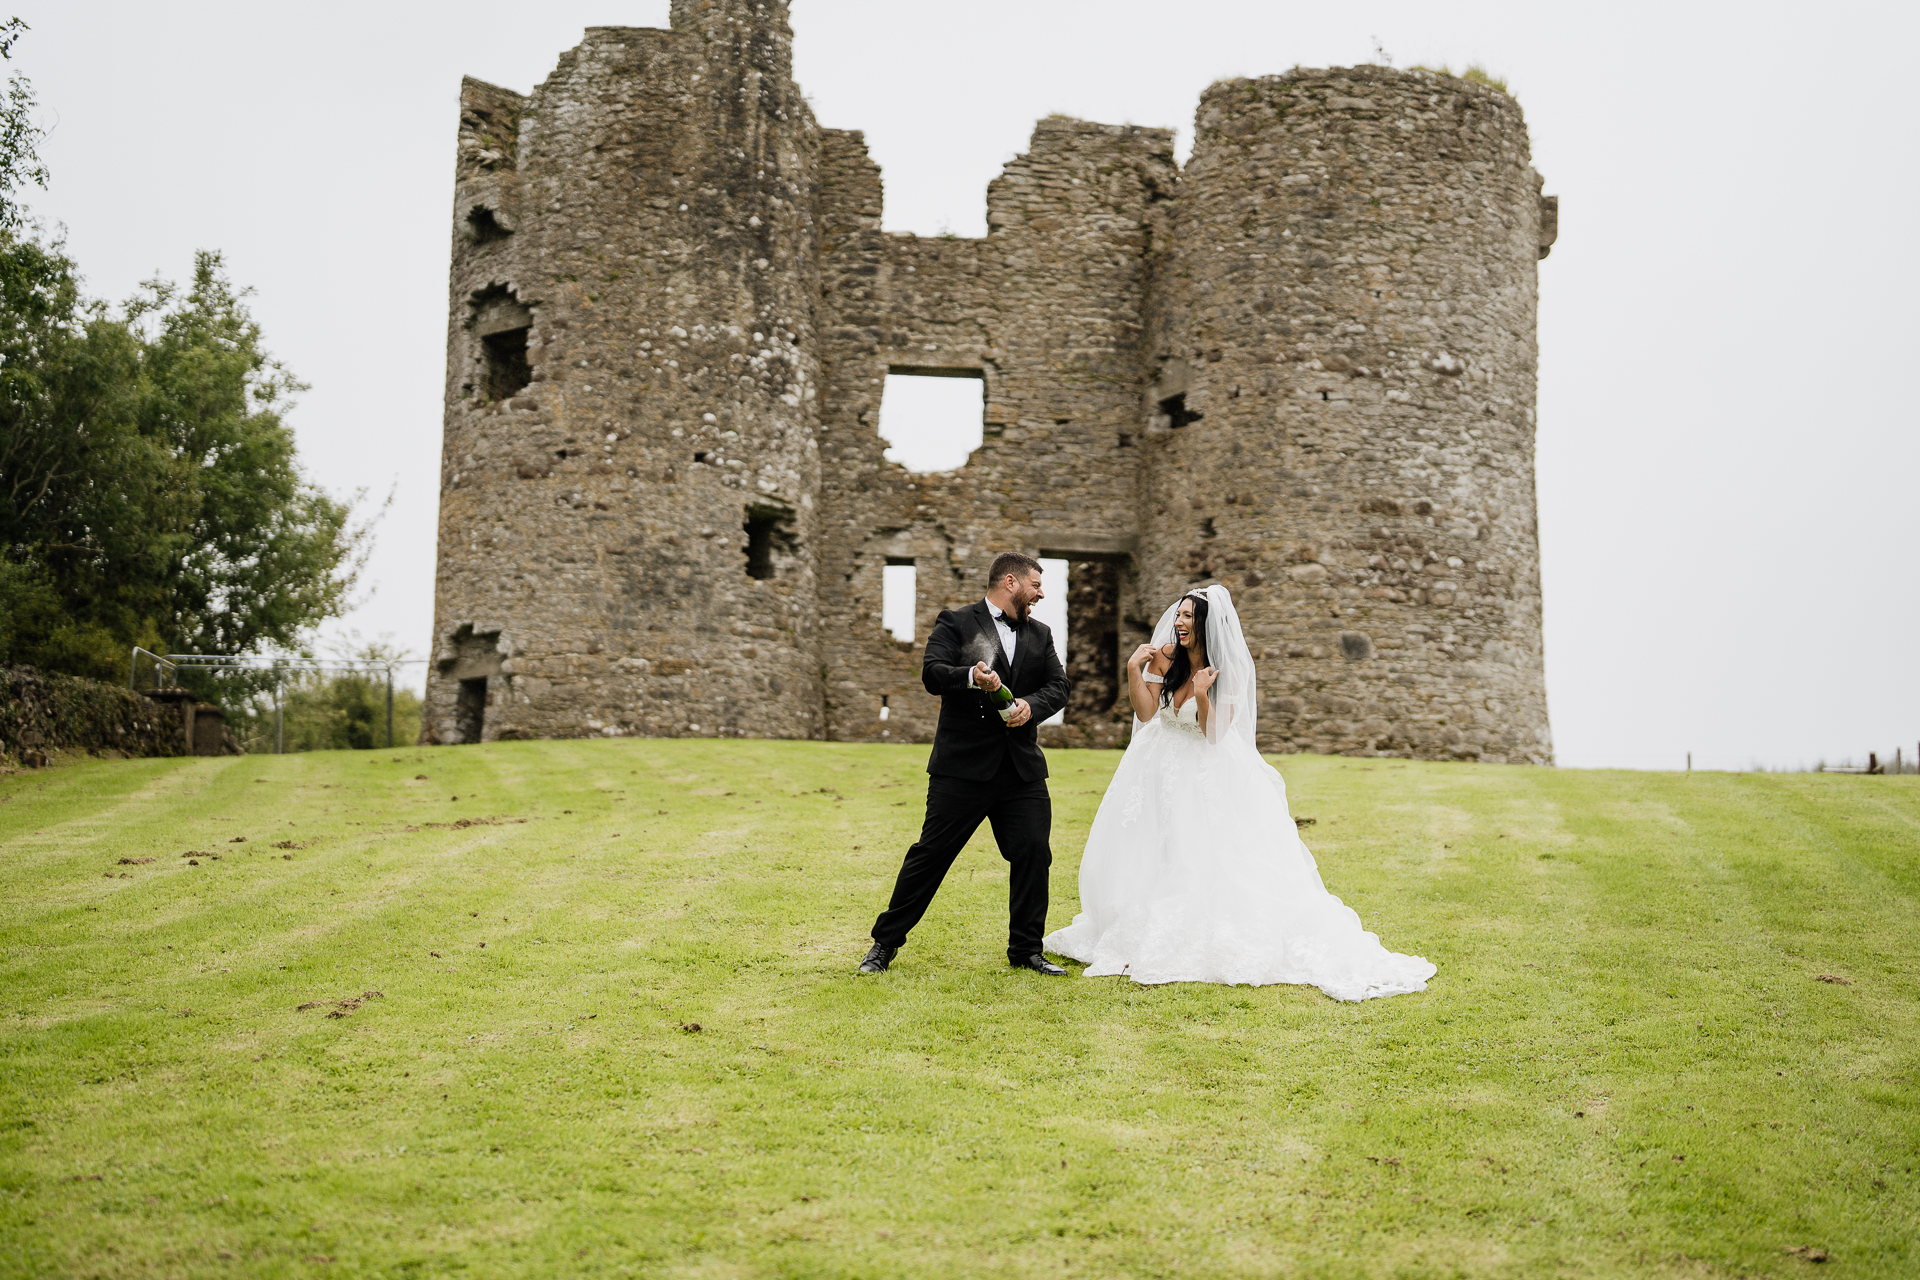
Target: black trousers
{"type": "Point", "coordinates": [1022, 816]}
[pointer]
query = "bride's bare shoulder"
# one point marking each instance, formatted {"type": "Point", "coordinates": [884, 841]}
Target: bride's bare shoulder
{"type": "Point", "coordinates": [1162, 659]}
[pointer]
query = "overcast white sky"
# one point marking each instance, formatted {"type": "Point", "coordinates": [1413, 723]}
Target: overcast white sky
{"type": "Point", "coordinates": [1728, 447]}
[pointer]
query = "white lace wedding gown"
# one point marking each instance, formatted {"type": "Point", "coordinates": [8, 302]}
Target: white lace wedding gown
{"type": "Point", "coordinates": [1195, 872]}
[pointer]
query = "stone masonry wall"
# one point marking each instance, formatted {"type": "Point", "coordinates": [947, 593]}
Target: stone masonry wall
{"type": "Point", "coordinates": [649, 212]}
{"type": "Point", "coordinates": [41, 714]}
{"type": "Point", "coordinates": [1350, 311]}
{"type": "Point", "coordinates": [1047, 309]}
{"type": "Point", "coordinates": [1304, 367]}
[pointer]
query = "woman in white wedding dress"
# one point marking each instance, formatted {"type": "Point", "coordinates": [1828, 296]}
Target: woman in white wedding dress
{"type": "Point", "coordinates": [1194, 870]}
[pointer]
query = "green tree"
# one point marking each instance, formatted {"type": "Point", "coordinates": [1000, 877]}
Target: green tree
{"type": "Point", "coordinates": [76, 476]}
{"type": "Point", "coordinates": [19, 135]}
{"type": "Point", "coordinates": [149, 489]}
{"type": "Point", "coordinates": [149, 492]}
{"type": "Point", "coordinates": [255, 555]}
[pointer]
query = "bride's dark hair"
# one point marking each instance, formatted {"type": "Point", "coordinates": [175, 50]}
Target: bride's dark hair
{"type": "Point", "coordinates": [1180, 670]}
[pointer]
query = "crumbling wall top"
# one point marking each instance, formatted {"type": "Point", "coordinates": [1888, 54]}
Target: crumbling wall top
{"type": "Point", "coordinates": [1345, 90]}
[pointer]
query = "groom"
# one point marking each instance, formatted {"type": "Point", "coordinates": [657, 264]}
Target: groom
{"type": "Point", "coordinates": [985, 767]}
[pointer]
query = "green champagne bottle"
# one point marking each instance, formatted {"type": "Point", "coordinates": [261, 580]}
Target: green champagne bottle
{"type": "Point", "coordinates": [1002, 700]}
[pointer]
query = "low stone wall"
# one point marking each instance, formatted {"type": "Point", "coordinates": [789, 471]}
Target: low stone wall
{"type": "Point", "coordinates": [1104, 735]}
{"type": "Point", "coordinates": [41, 714]}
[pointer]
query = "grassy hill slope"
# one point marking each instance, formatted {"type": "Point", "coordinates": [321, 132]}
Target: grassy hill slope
{"type": "Point", "coordinates": [588, 1009]}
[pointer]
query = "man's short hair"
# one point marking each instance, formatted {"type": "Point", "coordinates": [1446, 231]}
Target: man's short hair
{"type": "Point", "coordinates": [1010, 562]}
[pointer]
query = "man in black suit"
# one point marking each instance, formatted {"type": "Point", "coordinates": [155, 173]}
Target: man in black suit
{"type": "Point", "coordinates": [986, 765]}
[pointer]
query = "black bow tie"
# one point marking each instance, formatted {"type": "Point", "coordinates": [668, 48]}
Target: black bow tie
{"type": "Point", "coordinates": [1012, 623]}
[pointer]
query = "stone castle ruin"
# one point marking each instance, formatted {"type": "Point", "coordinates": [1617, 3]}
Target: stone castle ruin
{"type": "Point", "coordinates": [1302, 365]}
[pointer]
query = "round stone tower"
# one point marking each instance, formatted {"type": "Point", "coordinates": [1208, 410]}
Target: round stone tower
{"type": "Point", "coordinates": [627, 513]}
{"type": "Point", "coordinates": [1341, 417]}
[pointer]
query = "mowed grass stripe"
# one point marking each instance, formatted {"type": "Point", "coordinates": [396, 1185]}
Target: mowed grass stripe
{"type": "Point", "coordinates": [1628, 968]}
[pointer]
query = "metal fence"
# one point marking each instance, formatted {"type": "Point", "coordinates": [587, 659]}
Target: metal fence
{"type": "Point", "coordinates": [267, 672]}
{"type": "Point", "coordinates": [1875, 764]}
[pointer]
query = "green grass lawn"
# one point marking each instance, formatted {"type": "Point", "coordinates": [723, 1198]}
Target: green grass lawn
{"type": "Point", "coordinates": [617, 1030]}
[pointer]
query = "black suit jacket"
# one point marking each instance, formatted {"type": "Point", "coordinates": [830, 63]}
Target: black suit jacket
{"type": "Point", "coordinates": [972, 740]}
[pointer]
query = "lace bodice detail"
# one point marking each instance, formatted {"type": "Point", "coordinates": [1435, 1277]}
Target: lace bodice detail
{"type": "Point", "coordinates": [1185, 720]}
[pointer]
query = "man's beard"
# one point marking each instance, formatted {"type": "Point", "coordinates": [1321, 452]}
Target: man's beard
{"type": "Point", "coordinates": [1018, 609]}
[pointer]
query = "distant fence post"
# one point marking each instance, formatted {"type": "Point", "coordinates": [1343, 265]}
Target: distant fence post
{"type": "Point", "coordinates": [389, 708]}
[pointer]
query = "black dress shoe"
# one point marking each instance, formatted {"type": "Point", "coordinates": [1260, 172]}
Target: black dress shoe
{"type": "Point", "coordinates": [1039, 964]}
{"type": "Point", "coordinates": [878, 958]}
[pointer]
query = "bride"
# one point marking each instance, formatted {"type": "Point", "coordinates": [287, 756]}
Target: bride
{"type": "Point", "coordinates": [1194, 870]}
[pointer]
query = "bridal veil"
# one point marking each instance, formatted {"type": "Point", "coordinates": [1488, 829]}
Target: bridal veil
{"type": "Point", "coordinates": [1235, 706]}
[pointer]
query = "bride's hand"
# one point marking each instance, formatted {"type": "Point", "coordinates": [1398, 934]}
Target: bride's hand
{"type": "Point", "coordinates": [1141, 656]}
{"type": "Point", "coordinates": [1203, 680]}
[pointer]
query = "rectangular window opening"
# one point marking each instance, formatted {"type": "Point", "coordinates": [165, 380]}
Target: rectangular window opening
{"type": "Point", "coordinates": [1175, 407]}
{"type": "Point", "coordinates": [759, 548]}
{"type": "Point", "coordinates": [1093, 640]}
{"type": "Point", "coordinates": [933, 419]}
{"type": "Point", "coordinates": [508, 371]}
{"type": "Point", "coordinates": [899, 598]}
{"type": "Point", "coordinates": [1056, 583]}
{"type": "Point", "coordinates": [502, 323]}
{"type": "Point", "coordinates": [483, 227]}
{"type": "Point", "coordinates": [770, 540]}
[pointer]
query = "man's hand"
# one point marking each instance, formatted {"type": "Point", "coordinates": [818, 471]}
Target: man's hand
{"type": "Point", "coordinates": [1020, 714]}
{"type": "Point", "coordinates": [985, 677]}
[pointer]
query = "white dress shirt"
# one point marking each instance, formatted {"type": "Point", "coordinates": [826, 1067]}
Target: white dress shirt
{"type": "Point", "coordinates": [1008, 640]}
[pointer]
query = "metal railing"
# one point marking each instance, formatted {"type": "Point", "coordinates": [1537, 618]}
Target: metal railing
{"type": "Point", "coordinates": [168, 665]}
